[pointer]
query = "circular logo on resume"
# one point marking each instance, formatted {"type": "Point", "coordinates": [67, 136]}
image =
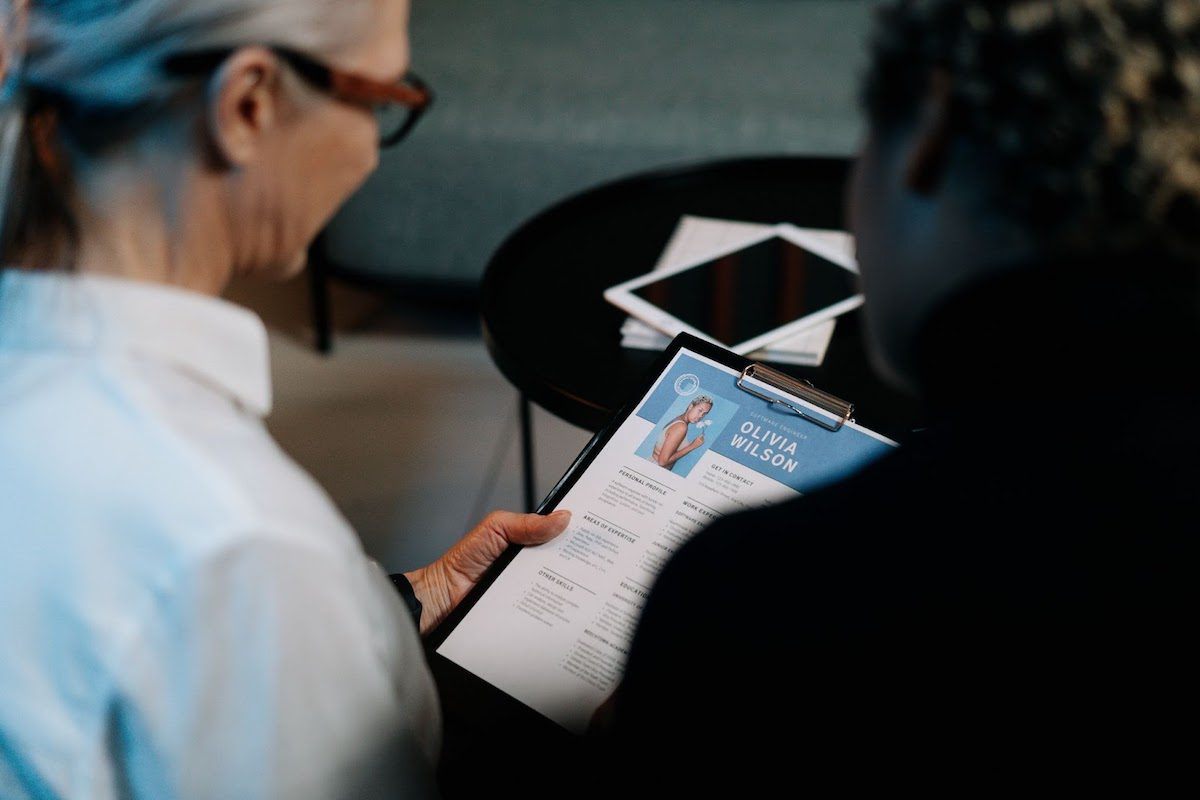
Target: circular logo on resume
{"type": "Point", "coordinates": [687, 384]}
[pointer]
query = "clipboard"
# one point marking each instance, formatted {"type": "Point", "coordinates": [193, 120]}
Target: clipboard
{"type": "Point", "coordinates": [473, 704]}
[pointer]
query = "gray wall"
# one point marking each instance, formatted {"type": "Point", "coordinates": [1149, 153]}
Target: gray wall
{"type": "Point", "coordinates": [538, 99]}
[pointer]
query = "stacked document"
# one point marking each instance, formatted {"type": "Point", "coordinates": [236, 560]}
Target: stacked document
{"type": "Point", "coordinates": [698, 238]}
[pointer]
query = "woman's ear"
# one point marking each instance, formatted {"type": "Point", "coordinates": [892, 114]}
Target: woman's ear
{"type": "Point", "coordinates": [243, 105]}
{"type": "Point", "coordinates": [931, 138]}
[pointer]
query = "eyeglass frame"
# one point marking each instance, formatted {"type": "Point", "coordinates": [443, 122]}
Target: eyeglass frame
{"type": "Point", "coordinates": [349, 87]}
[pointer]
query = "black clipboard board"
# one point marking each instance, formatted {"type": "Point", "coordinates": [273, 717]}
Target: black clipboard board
{"type": "Point", "coordinates": [479, 714]}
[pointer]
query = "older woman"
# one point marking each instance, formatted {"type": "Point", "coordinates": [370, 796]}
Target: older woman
{"type": "Point", "coordinates": [1003, 602]}
{"type": "Point", "coordinates": [184, 612]}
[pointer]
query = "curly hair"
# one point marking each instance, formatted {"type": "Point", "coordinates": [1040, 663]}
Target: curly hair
{"type": "Point", "coordinates": [1089, 109]}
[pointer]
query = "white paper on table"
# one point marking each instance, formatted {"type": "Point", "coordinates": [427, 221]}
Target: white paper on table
{"type": "Point", "coordinates": [806, 348]}
{"type": "Point", "coordinates": [694, 239]}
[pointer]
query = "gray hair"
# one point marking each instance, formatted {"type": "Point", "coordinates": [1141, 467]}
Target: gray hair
{"type": "Point", "coordinates": [109, 51]}
{"type": "Point", "coordinates": [106, 55]}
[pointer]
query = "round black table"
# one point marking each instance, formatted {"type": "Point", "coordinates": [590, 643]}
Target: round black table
{"type": "Point", "coordinates": [552, 334]}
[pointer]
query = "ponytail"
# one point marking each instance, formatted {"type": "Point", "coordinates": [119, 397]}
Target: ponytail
{"type": "Point", "coordinates": [14, 146]}
{"type": "Point", "coordinates": [14, 159]}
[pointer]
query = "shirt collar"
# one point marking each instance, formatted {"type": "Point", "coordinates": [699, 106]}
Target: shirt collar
{"type": "Point", "coordinates": [211, 339]}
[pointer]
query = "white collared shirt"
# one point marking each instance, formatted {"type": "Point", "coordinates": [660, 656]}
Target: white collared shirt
{"type": "Point", "coordinates": [183, 612]}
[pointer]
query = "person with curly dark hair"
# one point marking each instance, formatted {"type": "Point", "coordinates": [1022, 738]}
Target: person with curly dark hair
{"type": "Point", "coordinates": [1003, 602]}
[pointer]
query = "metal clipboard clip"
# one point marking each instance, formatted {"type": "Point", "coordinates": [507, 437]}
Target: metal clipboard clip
{"type": "Point", "coordinates": [840, 409]}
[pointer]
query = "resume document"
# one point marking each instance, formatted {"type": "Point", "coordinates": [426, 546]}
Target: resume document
{"type": "Point", "coordinates": [554, 629]}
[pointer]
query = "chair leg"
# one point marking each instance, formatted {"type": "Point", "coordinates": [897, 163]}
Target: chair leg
{"type": "Point", "coordinates": [318, 284]}
{"type": "Point", "coordinates": [527, 451]}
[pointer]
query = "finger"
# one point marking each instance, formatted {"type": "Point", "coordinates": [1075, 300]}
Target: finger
{"type": "Point", "coordinates": [527, 529]}
{"type": "Point", "coordinates": [475, 552]}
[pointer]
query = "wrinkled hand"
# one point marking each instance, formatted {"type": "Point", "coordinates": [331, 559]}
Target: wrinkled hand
{"type": "Point", "coordinates": [444, 583]}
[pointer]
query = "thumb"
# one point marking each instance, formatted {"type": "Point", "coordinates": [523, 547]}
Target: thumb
{"type": "Point", "coordinates": [465, 563]}
{"type": "Point", "coordinates": [528, 529]}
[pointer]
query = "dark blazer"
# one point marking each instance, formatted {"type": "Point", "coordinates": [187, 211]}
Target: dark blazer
{"type": "Point", "coordinates": [1006, 600]}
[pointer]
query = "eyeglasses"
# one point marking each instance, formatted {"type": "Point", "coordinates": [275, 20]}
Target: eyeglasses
{"type": "Point", "coordinates": [397, 106]}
